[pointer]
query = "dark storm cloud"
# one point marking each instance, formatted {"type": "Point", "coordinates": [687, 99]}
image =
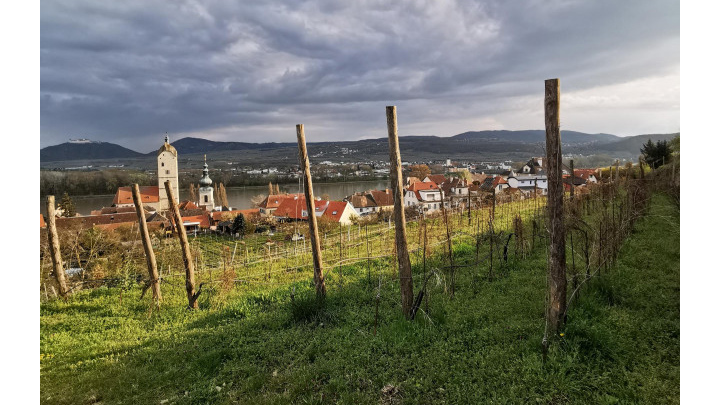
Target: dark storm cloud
{"type": "Point", "coordinates": [126, 72]}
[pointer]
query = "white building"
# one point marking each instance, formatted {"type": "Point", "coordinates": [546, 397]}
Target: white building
{"type": "Point", "coordinates": [167, 161]}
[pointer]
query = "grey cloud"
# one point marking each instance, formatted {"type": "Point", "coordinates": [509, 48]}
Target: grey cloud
{"type": "Point", "coordinates": [132, 70]}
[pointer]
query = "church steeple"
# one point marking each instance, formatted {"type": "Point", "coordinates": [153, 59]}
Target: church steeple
{"type": "Point", "coordinates": [206, 191]}
{"type": "Point", "coordinates": [205, 180]}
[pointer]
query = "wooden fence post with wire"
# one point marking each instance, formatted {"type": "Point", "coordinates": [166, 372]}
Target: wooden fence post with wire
{"type": "Point", "coordinates": [318, 276]}
{"type": "Point", "coordinates": [54, 245]}
{"type": "Point", "coordinates": [185, 247]}
{"type": "Point", "coordinates": [556, 273]}
{"type": "Point", "coordinates": [154, 282]}
{"type": "Point", "coordinates": [403, 256]}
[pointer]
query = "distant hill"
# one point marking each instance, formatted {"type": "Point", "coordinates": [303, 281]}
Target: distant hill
{"type": "Point", "coordinates": [198, 145]}
{"type": "Point", "coordinates": [536, 135]}
{"type": "Point", "coordinates": [470, 145]}
{"type": "Point", "coordinates": [634, 143]}
{"type": "Point", "coordinates": [83, 150]}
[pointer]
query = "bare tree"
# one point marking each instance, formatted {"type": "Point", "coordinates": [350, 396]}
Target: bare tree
{"type": "Point", "coordinates": [257, 200]}
{"type": "Point", "coordinates": [193, 193]}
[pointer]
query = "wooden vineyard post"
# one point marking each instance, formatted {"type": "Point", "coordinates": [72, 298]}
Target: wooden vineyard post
{"type": "Point", "coordinates": [556, 277]}
{"type": "Point", "coordinates": [185, 247]}
{"type": "Point", "coordinates": [147, 245]}
{"type": "Point", "coordinates": [318, 276]}
{"type": "Point", "coordinates": [572, 179]}
{"type": "Point", "coordinates": [449, 245]}
{"type": "Point", "coordinates": [54, 245]}
{"type": "Point", "coordinates": [469, 208]}
{"type": "Point", "coordinates": [403, 256]}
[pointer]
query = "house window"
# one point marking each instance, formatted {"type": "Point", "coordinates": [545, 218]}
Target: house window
{"type": "Point", "coordinates": [334, 213]}
{"type": "Point", "coordinates": [206, 198]}
{"type": "Point", "coordinates": [162, 164]}
{"type": "Point", "coordinates": [167, 171]}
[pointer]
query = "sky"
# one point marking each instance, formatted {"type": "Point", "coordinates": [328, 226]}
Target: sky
{"type": "Point", "coordinates": [128, 72]}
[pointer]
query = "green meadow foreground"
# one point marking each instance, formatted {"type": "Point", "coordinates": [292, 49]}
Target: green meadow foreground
{"type": "Point", "coordinates": [270, 343]}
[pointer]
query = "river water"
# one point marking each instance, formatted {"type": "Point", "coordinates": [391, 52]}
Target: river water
{"type": "Point", "coordinates": [238, 197]}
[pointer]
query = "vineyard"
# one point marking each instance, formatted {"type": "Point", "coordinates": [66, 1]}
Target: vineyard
{"type": "Point", "coordinates": [260, 336]}
{"type": "Point", "coordinates": [571, 297]}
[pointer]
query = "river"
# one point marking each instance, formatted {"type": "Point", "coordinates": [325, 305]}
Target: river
{"type": "Point", "coordinates": [238, 197]}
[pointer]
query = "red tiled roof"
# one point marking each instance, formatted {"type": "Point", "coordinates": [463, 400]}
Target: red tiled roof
{"type": "Point", "coordinates": [498, 180]}
{"type": "Point", "coordinates": [292, 208]}
{"type": "Point", "coordinates": [117, 210]}
{"type": "Point", "coordinates": [382, 198]}
{"type": "Point", "coordinates": [274, 200]}
{"type": "Point", "coordinates": [335, 210]}
{"type": "Point", "coordinates": [93, 220]}
{"type": "Point", "coordinates": [430, 185]}
{"type": "Point", "coordinates": [148, 194]}
{"type": "Point", "coordinates": [203, 219]}
{"type": "Point", "coordinates": [437, 178]}
{"type": "Point", "coordinates": [362, 201]}
{"type": "Point", "coordinates": [216, 215]}
{"type": "Point", "coordinates": [188, 205]}
{"type": "Point", "coordinates": [584, 173]}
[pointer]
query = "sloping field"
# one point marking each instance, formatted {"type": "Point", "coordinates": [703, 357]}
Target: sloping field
{"type": "Point", "coordinates": [270, 343]}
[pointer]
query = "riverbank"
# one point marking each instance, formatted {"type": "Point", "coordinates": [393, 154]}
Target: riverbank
{"type": "Point", "coordinates": [238, 197]}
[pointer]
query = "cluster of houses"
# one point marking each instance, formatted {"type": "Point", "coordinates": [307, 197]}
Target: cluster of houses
{"type": "Point", "coordinates": [427, 195]}
{"type": "Point", "coordinates": [196, 215]}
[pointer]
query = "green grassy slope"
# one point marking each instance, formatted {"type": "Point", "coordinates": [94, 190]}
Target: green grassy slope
{"type": "Point", "coordinates": [621, 344]}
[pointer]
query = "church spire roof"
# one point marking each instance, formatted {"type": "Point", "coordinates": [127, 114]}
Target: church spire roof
{"type": "Point", "coordinates": [205, 180]}
{"type": "Point", "coordinates": [167, 147]}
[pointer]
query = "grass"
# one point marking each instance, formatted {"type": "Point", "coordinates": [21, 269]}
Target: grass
{"type": "Point", "coordinates": [272, 343]}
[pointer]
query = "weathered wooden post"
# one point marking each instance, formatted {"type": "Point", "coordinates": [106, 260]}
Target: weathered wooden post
{"type": "Point", "coordinates": [318, 276]}
{"type": "Point", "coordinates": [54, 245]}
{"type": "Point", "coordinates": [557, 278]}
{"type": "Point", "coordinates": [403, 256]}
{"type": "Point", "coordinates": [572, 179]}
{"type": "Point", "coordinates": [469, 205]}
{"type": "Point", "coordinates": [185, 247]}
{"type": "Point", "coordinates": [147, 245]}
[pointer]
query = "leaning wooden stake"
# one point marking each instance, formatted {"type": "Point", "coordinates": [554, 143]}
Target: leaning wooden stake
{"type": "Point", "coordinates": [557, 278]}
{"type": "Point", "coordinates": [185, 246]}
{"type": "Point", "coordinates": [318, 276]}
{"type": "Point", "coordinates": [403, 256]}
{"type": "Point", "coordinates": [147, 245]}
{"type": "Point", "coordinates": [54, 244]}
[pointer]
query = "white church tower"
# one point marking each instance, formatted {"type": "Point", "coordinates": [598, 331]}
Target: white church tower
{"type": "Point", "coordinates": [167, 160]}
{"type": "Point", "coordinates": [206, 190]}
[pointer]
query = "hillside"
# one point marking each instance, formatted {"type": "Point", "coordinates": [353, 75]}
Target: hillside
{"type": "Point", "coordinates": [268, 343]}
{"type": "Point", "coordinates": [475, 145]}
{"type": "Point", "coordinates": [86, 150]}
{"type": "Point", "coordinates": [634, 143]}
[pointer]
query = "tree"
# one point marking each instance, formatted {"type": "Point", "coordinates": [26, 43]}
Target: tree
{"type": "Point", "coordinates": [238, 225]}
{"type": "Point", "coordinates": [222, 196]}
{"type": "Point", "coordinates": [193, 193]}
{"type": "Point", "coordinates": [656, 154]}
{"type": "Point", "coordinates": [67, 205]}
{"type": "Point", "coordinates": [257, 200]}
{"type": "Point", "coordinates": [465, 175]}
{"type": "Point", "coordinates": [270, 188]}
{"type": "Point", "coordinates": [419, 171]}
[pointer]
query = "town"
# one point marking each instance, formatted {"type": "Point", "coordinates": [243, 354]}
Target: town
{"type": "Point", "coordinates": [458, 187]}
